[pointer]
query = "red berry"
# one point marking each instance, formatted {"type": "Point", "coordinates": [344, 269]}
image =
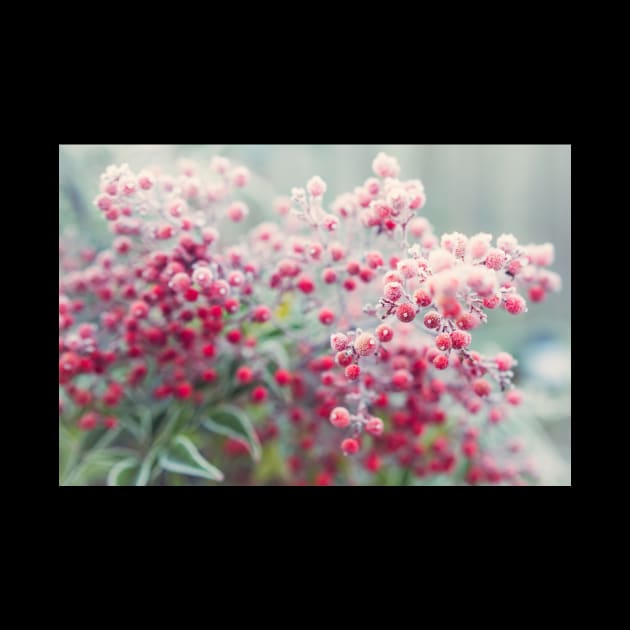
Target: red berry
{"type": "Point", "coordinates": [183, 391]}
{"type": "Point", "coordinates": [504, 361]}
{"type": "Point", "coordinates": [406, 312]}
{"type": "Point", "coordinates": [401, 379]}
{"type": "Point", "coordinates": [492, 302]}
{"type": "Point", "coordinates": [469, 448]}
{"type": "Point", "coordinates": [481, 387]}
{"type": "Point", "coordinates": [88, 421]}
{"type": "Point", "coordinates": [305, 284]}
{"type": "Point", "coordinates": [343, 358]}
{"type": "Point", "coordinates": [393, 291]}
{"type": "Point", "coordinates": [349, 284]}
{"type": "Point", "coordinates": [329, 275]}
{"type": "Point", "coordinates": [208, 375]}
{"type": "Point", "coordinates": [536, 293]}
{"type": "Point", "coordinates": [261, 314]}
{"type": "Point", "coordinates": [365, 344]}
{"type": "Point", "coordinates": [339, 417]}
{"type": "Point", "coordinates": [338, 341]}
{"type": "Point", "coordinates": [422, 298]}
{"type": "Point", "coordinates": [443, 342]}
{"type": "Point", "coordinates": [375, 426]}
{"type": "Point", "coordinates": [244, 374]}
{"type": "Point", "coordinates": [514, 397]}
{"type": "Point", "coordinates": [283, 377]}
{"type": "Point", "coordinates": [326, 316]}
{"type": "Point", "coordinates": [110, 422]}
{"type": "Point", "coordinates": [208, 351]}
{"type": "Point", "coordinates": [432, 319]}
{"type": "Point", "coordinates": [233, 336]}
{"type": "Point", "coordinates": [352, 372]}
{"type": "Point", "coordinates": [514, 304]}
{"type": "Point", "coordinates": [440, 361]}
{"type": "Point", "coordinates": [139, 309]}
{"type": "Point", "coordinates": [180, 283]}
{"type": "Point", "coordinates": [460, 339]}
{"type": "Point", "coordinates": [323, 479]}
{"type": "Point", "coordinates": [350, 446]}
{"type": "Point", "coordinates": [384, 332]}
{"type": "Point", "coordinates": [467, 321]}
{"type": "Point", "coordinates": [259, 394]}
{"type": "Point", "coordinates": [372, 462]}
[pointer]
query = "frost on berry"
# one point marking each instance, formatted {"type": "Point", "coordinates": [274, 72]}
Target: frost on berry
{"type": "Point", "coordinates": [338, 341]}
{"type": "Point", "coordinates": [406, 312]}
{"type": "Point", "coordinates": [364, 344]}
{"type": "Point", "coordinates": [340, 417]}
{"type": "Point", "coordinates": [184, 309]}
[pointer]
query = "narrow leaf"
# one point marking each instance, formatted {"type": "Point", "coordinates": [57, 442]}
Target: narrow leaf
{"type": "Point", "coordinates": [233, 422]}
{"type": "Point", "coordinates": [183, 457]}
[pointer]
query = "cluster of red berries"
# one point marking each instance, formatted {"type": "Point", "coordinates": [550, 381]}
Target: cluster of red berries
{"type": "Point", "coordinates": [172, 313]}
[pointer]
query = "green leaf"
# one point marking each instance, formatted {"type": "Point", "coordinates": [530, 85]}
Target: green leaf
{"type": "Point", "coordinates": [183, 457]}
{"type": "Point", "coordinates": [233, 422]}
{"type": "Point", "coordinates": [123, 473]}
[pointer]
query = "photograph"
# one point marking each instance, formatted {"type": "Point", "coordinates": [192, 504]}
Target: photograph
{"type": "Point", "coordinates": [314, 315]}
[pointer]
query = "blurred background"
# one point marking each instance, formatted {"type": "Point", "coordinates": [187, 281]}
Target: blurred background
{"type": "Point", "coordinates": [519, 189]}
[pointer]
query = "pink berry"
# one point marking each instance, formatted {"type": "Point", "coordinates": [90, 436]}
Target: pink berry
{"type": "Point", "coordinates": [481, 387]}
{"type": "Point", "coordinates": [422, 298]}
{"type": "Point", "coordinates": [385, 166]}
{"type": "Point", "coordinates": [261, 314]}
{"type": "Point", "coordinates": [338, 341]}
{"type": "Point", "coordinates": [352, 372]}
{"type": "Point", "coordinates": [375, 426]}
{"type": "Point", "coordinates": [443, 342]}
{"type": "Point", "coordinates": [492, 301]}
{"type": "Point", "coordinates": [316, 186]}
{"type": "Point", "coordinates": [495, 258]}
{"type": "Point", "coordinates": [340, 417]}
{"type": "Point", "coordinates": [202, 276]}
{"type": "Point", "coordinates": [88, 421]}
{"type": "Point", "coordinates": [365, 344]}
{"type": "Point", "coordinates": [470, 448]}
{"type": "Point", "coordinates": [406, 312]}
{"type": "Point", "coordinates": [514, 397]}
{"type": "Point", "coordinates": [514, 304]}
{"type": "Point", "coordinates": [240, 176]}
{"type": "Point", "coordinates": [440, 361]}
{"type": "Point", "coordinates": [467, 321]}
{"type": "Point", "coordinates": [460, 339]}
{"type": "Point", "coordinates": [393, 291]}
{"type": "Point", "coordinates": [402, 379]}
{"type": "Point", "coordinates": [536, 293]}
{"type": "Point", "coordinates": [504, 361]}
{"type": "Point", "coordinates": [432, 319]}
{"type": "Point", "coordinates": [329, 275]}
{"type": "Point", "coordinates": [139, 309]}
{"type": "Point", "coordinates": [384, 332]}
{"type": "Point", "coordinates": [237, 211]}
{"type": "Point", "coordinates": [326, 316]}
{"type": "Point", "coordinates": [180, 283]}
{"type": "Point", "coordinates": [374, 260]}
